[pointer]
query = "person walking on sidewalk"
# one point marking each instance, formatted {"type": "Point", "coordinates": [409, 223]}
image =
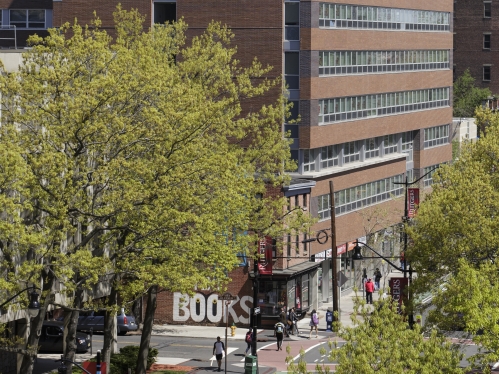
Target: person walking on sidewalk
{"type": "Point", "coordinates": [279, 333]}
{"type": "Point", "coordinates": [283, 319]}
{"type": "Point", "coordinates": [218, 351]}
{"type": "Point", "coordinates": [293, 318]}
{"type": "Point", "coordinates": [369, 287]}
{"type": "Point", "coordinates": [377, 279]}
{"type": "Point", "coordinates": [249, 340]}
{"type": "Point", "coordinates": [314, 323]}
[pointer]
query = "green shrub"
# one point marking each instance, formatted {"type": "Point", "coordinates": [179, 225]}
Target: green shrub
{"type": "Point", "coordinates": [127, 358]}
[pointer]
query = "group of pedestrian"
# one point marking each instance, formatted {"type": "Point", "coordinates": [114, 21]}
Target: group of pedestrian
{"type": "Point", "coordinates": [280, 327]}
{"type": "Point", "coordinates": [370, 287]}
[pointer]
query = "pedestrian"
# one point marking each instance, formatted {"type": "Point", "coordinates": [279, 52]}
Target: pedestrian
{"type": "Point", "coordinates": [377, 279]}
{"type": "Point", "coordinates": [279, 329]}
{"type": "Point", "coordinates": [283, 319]}
{"type": "Point", "coordinates": [218, 351]}
{"type": "Point", "coordinates": [249, 341]}
{"type": "Point", "coordinates": [293, 318]}
{"type": "Point", "coordinates": [369, 287]}
{"type": "Point", "coordinates": [314, 323]}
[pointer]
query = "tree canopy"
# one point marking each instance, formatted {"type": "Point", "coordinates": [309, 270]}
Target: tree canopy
{"type": "Point", "coordinates": [455, 241]}
{"type": "Point", "coordinates": [467, 96]}
{"type": "Point", "coordinates": [129, 163]}
{"type": "Point", "coordinates": [380, 341]}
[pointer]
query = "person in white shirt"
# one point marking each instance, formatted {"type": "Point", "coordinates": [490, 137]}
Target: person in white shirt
{"type": "Point", "coordinates": [218, 350]}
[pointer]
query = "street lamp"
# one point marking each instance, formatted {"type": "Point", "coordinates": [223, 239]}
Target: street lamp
{"type": "Point", "coordinates": [357, 255]}
{"type": "Point", "coordinates": [34, 304]}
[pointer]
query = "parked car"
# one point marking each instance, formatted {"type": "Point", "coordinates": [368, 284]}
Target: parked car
{"type": "Point", "coordinates": [95, 321]}
{"type": "Point", "coordinates": [52, 338]}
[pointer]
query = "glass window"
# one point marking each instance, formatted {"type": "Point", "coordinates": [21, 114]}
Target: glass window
{"type": "Point", "coordinates": [271, 297]}
{"type": "Point", "coordinates": [486, 41]}
{"type": "Point", "coordinates": [486, 73]}
{"type": "Point", "coordinates": [487, 9]}
{"type": "Point", "coordinates": [27, 18]}
{"type": "Point", "coordinates": [308, 160]}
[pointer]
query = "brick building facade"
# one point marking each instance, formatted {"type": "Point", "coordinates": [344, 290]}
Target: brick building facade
{"type": "Point", "coordinates": [371, 81]}
{"type": "Point", "coordinates": [476, 26]}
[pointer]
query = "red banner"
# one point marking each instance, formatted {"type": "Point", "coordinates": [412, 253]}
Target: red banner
{"type": "Point", "coordinates": [397, 290]}
{"type": "Point", "coordinates": [412, 201]}
{"type": "Point", "coordinates": [265, 260]}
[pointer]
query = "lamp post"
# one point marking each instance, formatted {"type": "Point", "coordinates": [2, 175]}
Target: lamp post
{"type": "Point", "coordinates": [357, 255]}
{"type": "Point", "coordinates": [34, 304]}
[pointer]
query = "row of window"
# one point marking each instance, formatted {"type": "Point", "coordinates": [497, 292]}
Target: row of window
{"type": "Point", "coordinates": [340, 154]}
{"type": "Point", "coordinates": [25, 18]}
{"type": "Point", "coordinates": [436, 136]}
{"type": "Point", "coordinates": [367, 17]}
{"type": "Point", "coordinates": [352, 62]}
{"type": "Point", "coordinates": [429, 171]}
{"type": "Point", "coordinates": [361, 196]}
{"type": "Point", "coordinates": [346, 108]}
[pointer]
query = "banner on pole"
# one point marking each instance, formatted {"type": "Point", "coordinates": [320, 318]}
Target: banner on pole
{"type": "Point", "coordinates": [398, 290]}
{"type": "Point", "coordinates": [412, 201]}
{"type": "Point", "coordinates": [265, 260]}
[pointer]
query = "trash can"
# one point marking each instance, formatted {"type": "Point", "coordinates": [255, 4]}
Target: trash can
{"type": "Point", "coordinates": [251, 365]}
{"type": "Point", "coordinates": [329, 320]}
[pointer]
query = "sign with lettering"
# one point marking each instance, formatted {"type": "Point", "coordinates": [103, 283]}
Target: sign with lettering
{"type": "Point", "coordinates": [412, 201]}
{"type": "Point", "coordinates": [398, 290]}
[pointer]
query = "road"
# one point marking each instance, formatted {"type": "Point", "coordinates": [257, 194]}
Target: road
{"type": "Point", "coordinates": [197, 352]}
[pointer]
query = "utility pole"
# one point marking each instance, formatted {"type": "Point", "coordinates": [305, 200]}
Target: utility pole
{"type": "Point", "coordinates": [334, 251]}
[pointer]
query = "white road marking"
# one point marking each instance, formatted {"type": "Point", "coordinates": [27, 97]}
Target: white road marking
{"type": "Point", "coordinates": [308, 349]}
{"type": "Point", "coordinates": [265, 346]}
{"type": "Point", "coordinates": [170, 360]}
{"type": "Point", "coordinates": [229, 351]}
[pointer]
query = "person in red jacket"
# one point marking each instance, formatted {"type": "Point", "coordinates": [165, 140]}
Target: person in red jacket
{"type": "Point", "coordinates": [369, 287]}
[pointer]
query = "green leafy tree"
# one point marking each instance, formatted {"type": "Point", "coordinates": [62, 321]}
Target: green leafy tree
{"type": "Point", "coordinates": [467, 96]}
{"type": "Point", "coordinates": [455, 238]}
{"type": "Point", "coordinates": [136, 169]}
{"type": "Point", "coordinates": [381, 342]}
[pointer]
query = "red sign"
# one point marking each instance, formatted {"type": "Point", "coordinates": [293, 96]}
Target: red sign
{"type": "Point", "coordinates": [265, 259]}
{"type": "Point", "coordinates": [412, 201]}
{"type": "Point", "coordinates": [397, 290]}
{"type": "Point", "coordinates": [341, 249]}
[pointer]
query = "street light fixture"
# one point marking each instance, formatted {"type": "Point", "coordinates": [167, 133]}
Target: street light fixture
{"type": "Point", "coordinates": [34, 304]}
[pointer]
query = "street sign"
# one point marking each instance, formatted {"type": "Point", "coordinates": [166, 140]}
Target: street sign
{"type": "Point", "coordinates": [257, 310]}
{"type": "Point", "coordinates": [227, 297]}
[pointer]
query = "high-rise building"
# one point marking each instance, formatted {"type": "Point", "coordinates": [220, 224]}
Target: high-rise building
{"type": "Point", "coordinates": [474, 48]}
{"type": "Point", "coordinates": [371, 84]}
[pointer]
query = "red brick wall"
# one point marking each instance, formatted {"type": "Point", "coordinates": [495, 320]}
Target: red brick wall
{"type": "Point", "coordinates": [469, 26]}
{"type": "Point", "coordinates": [204, 308]}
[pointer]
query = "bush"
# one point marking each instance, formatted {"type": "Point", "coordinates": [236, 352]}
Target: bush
{"type": "Point", "coordinates": [126, 359]}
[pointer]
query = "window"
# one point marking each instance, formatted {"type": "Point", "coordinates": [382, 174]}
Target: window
{"type": "Point", "coordinates": [324, 207]}
{"type": "Point", "coordinates": [27, 18]}
{"type": "Point", "coordinates": [351, 152]}
{"type": "Point", "coordinates": [288, 245]}
{"type": "Point", "coordinates": [486, 73]}
{"type": "Point", "coordinates": [304, 200]}
{"type": "Point", "coordinates": [486, 41]}
{"type": "Point", "coordinates": [435, 136]}
{"type": "Point", "coordinates": [292, 21]}
{"type": "Point", "coordinates": [390, 144]}
{"type": "Point", "coordinates": [407, 141]}
{"type": "Point", "coordinates": [329, 156]}
{"type": "Point", "coordinates": [292, 70]}
{"type": "Point", "coordinates": [308, 160]}
{"type": "Point", "coordinates": [362, 17]}
{"type": "Point", "coordinates": [367, 62]}
{"type": "Point", "coordinates": [487, 9]}
{"type": "Point", "coordinates": [348, 108]}
{"type": "Point", "coordinates": [372, 148]}
{"type": "Point", "coordinates": [357, 197]}
{"type": "Point", "coordinates": [429, 171]}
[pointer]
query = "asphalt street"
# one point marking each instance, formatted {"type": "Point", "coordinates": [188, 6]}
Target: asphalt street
{"type": "Point", "coordinates": [198, 352]}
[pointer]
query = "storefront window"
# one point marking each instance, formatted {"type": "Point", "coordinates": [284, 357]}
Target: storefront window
{"type": "Point", "coordinates": [271, 297]}
{"type": "Point", "coordinates": [298, 293]}
{"type": "Point", "coordinates": [291, 293]}
{"type": "Point", "coordinates": [347, 269]}
{"type": "Point", "coordinates": [304, 292]}
{"type": "Point", "coordinates": [319, 284]}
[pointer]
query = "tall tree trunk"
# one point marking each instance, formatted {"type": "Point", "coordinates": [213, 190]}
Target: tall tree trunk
{"type": "Point", "coordinates": [110, 331]}
{"type": "Point", "coordinates": [145, 339]}
{"type": "Point", "coordinates": [35, 329]}
{"type": "Point", "coordinates": [70, 325]}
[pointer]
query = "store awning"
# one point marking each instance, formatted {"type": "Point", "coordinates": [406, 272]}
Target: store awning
{"type": "Point", "coordinates": [292, 271]}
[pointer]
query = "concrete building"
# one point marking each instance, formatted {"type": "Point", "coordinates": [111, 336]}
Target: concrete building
{"type": "Point", "coordinates": [371, 82]}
